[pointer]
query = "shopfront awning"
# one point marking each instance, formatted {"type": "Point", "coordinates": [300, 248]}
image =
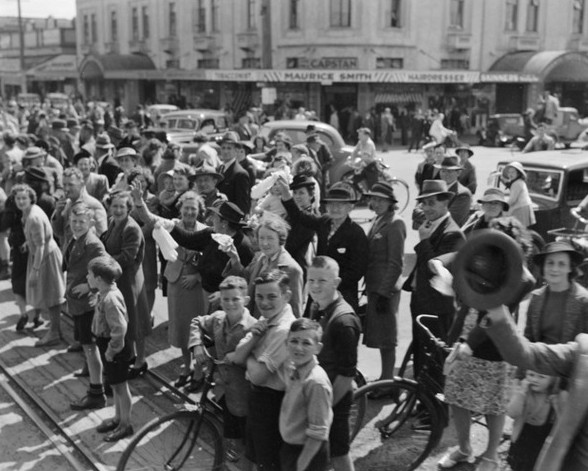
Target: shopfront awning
{"type": "Point", "coordinates": [114, 66]}
{"type": "Point", "coordinates": [59, 67]}
{"type": "Point", "coordinates": [398, 98]}
{"type": "Point", "coordinates": [550, 66]}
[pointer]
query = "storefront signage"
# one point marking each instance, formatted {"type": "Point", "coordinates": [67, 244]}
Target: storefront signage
{"type": "Point", "coordinates": [367, 76]}
{"type": "Point", "coordinates": [232, 75]}
{"type": "Point", "coordinates": [507, 77]}
{"type": "Point", "coordinates": [342, 63]}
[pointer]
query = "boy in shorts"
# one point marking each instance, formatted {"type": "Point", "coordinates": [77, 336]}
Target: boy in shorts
{"type": "Point", "coordinates": [263, 350]}
{"type": "Point", "coordinates": [227, 327]}
{"type": "Point", "coordinates": [306, 413]}
{"type": "Point", "coordinates": [83, 247]}
{"type": "Point", "coordinates": [109, 327]}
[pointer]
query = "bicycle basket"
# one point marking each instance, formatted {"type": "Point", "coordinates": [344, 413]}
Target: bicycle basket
{"type": "Point", "coordinates": [432, 354]}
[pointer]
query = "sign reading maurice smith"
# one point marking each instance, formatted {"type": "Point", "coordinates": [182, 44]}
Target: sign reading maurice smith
{"type": "Point", "coordinates": [322, 63]}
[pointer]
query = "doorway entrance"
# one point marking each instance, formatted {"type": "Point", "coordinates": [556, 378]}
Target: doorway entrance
{"type": "Point", "coordinates": [342, 99]}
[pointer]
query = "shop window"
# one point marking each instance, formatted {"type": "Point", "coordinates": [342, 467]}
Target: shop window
{"type": "Point", "coordinates": [113, 26]}
{"type": "Point", "coordinates": [145, 16]}
{"type": "Point", "coordinates": [172, 20]}
{"type": "Point", "coordinates": [200, 17]}
{"type": "Point", "coordinates": [532, 16]}
{"type": "Point", "coordinates": [94, 29]}
{"type": "Point", "coordinates": [294, 14]}
{"type": "Point", "coordinates": [512, 15]}
{"type": "Point", "coordinates": [578, 16]}
{"type": "Point", "coordinates": [208, 63]}
{"type": "Point", "coordinates": [214, 16]}
{"type": "Point", "coordinates": [455, 64]}
{"type": "Point", "coordinates": [389, 63]}
{"type": "Point", "coordinates": [456, 13]}
{"type": "Point", "coordinates": [172, 64]}
{"type": "Point", "coordinates": [394, 13]}
{"type": "Point", "coordinates": [135, 23]}
{"type": "Point", "coordinates": [340, 13]}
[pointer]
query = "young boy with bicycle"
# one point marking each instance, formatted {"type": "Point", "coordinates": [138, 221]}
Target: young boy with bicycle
{"type": "Point", "coordinates": [264, 351]}
{"type": "Point", "coordinates": [306, 413]}
{"type": "Point", "coordinates": [227, 327]}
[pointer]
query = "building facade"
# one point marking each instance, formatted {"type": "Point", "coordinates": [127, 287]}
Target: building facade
{"type": "Point", "coordinates": [479, 55]}
{"type": "Point", "coordinates": [49, 59]}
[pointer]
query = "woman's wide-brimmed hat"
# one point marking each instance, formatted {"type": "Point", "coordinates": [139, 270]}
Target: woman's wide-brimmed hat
{"type": "Point", "coordinates": [206, 169]}
{"type": "Point", "coordinates": [518, 167]}
{"type": "Point", "coordinates": [433, 188]}
{"type": "Point", "coordinates": [492, 195]}
{"type": "Point", "coordinates": [37, 174]}
{"type": "Point", "coordinates": [382, 190]}
{"type": "Point", "coordinates": [450, 162]}
{"type": "Point", "coordinates": [126, 151]}
{"type": "Point", "coordinates": [301, 181]}
{"type": "Point", "coordinates": [467, 149]}
{"type": "Point", "coordinates": [230, 212]}
{"type": "Point", "coordinates": [559, 246]}
{"type": "Point", "coordinates": [33, 153]}
{"type": "Point", "coordinates": [342, 192]}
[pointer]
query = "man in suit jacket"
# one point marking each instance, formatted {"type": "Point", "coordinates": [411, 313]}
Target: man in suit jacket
{"type": "Point", "coordinates": [96, 185]}
{"type": "Point", "coordinates": [459, 206]}
{"type": "Point", "coordinates": [75, 190]}
{"type": "Point", "coordinates": [439, 234]}
{"type": "Point", "coordinates": [235, 183]}
{"type": "Point", "coordinates": [105, 162]}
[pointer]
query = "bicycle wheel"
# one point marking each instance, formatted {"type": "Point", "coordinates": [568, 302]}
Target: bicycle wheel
{"type": "Point", "coordinates": [358, 406]}
{"type": "Point", "coordinates": [181, 440]}
{"type": "Point", "coordinates": [399, 429]}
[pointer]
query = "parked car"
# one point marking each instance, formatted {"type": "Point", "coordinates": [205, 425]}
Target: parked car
{"type": "Point", "coordinates": [567, 126]}
{"type": "Point", "coordinates": [557, 182]}
{"type": "Point", "coordinates": [502, 129]}
{"type": "Point", "coordinates": [182, 125]}
{"type": "Point", "coordinates": [340, 170]}
{"type": "Point", "coordinates": [156, 112]}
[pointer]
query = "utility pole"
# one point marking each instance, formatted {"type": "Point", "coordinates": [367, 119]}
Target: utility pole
{"type": "Point", "coordinates": [22, 59]}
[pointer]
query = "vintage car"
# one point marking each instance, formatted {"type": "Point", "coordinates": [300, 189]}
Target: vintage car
{"type": "Point", "coordinates": [156, 112]}
{"type": "Point", "coordinates": [58, 101]}
{"type": "Point", "coordinates": [182, 125]}
{"type": "Point", "coordinates": [557, 181]}
{"type": "Point", "coordinates": [502, 129]}
{"type": "Point", "coordinates": [340, 169]}
{"type": "Point", "coordinates": [28, 100]}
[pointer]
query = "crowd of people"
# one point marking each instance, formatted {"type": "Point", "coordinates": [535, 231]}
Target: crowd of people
{"type": "Point", "coordinates": [269, 265]}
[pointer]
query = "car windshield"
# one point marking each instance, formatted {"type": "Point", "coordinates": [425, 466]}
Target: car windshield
{"type": "Point", "coordinates": [182, 123]}
{"type": "Point", "coordinates": [544, 183]}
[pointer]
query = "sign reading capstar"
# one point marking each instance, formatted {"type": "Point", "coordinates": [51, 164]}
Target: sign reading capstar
{"type": "Point", "coordinates": [322, 63]}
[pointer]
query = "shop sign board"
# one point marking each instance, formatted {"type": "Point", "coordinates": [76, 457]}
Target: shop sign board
{"type": "Point", "coordinates": [367, 76]}
{"type": "Point", "coordinates": [508, 77]}
{"type": "Point", "coordinates": [342, 63]}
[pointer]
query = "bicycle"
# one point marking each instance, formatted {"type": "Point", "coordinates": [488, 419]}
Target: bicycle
{"type": "Point", "coordinates": [401, 428]}
{"type": "Point", "coordinates": [189, 438]}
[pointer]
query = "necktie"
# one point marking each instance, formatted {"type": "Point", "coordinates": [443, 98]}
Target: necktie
{"type": "Point", "coordinates": [221, 169]}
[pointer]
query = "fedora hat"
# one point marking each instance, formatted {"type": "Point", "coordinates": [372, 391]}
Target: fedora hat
{"type": "Point", "coordinates": [518, 167]}
{"type": "Point", "coordinates": [467, 149]}
{"type": "Point", "coordinates": [450, 162]}
{"type": "Point", "coordinates": [558, 247]}
{"type": "Point", "coordinates": [494, 194]}
{"type": "Point", "coordinates": [433, 188]}
{"type": "Point", "coordinates": [230, 137]}
{"type": "Point", "coordinates": [342, 192]}
{"type": "Point", "coordinates": [229, 212]}
{"type": "Point", "coordinates": [59, 125]}
{"type": "Point", "coordinates": [206, 169]}
{"type": "Point", "coordinates": [36, 174]}
{"type": "Point", "coordinates": [103, 142]}
{"type": "Point", "coordinates": [73, 123]}
{"type": "Point", "coordinates": [33, 153]}
{"type": "Point", "coordinates": [301, 181]}
{"type": "Point", "coordinates": [382, 190]}
{"type": "Point", "coordinates": [488, 270]}
{"type": "Point", "coordinates": [115, 132]}
{"type": "Point", "coordinates": [82, 154]}
{"type": "Point", "coordinates": [124, 151]}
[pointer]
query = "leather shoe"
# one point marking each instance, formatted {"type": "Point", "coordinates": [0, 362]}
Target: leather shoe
{"type": "Point", "coordinates": [89, 402]}
{"type": "Point", "coordinates": [183, 380]}
{"type": "Point", "coordinates": [38, 322]}
{"type": "Point", "coordinates": [136, 372]}
{"type": "Point", "coordinates": [74, 348]}
{"type": "Point", "coordinates": [22, 322]}
{"type": "Point", "coordinates": [107, 426]}
{"type": "Point", "coordinates": [48, 341]}
{"type": "Point", "coordinates": [194, 385]}
{"type": "Point", "coordinates": [119, 434]}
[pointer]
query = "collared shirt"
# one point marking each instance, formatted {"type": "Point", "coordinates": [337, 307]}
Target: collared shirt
{"type": "Point", "coordinates": [341, 329]}
{"type": "Point", "coordinates": [226, 165]}
{"type": "Point", "coordinates": [433, 225]}
{"type": "Point", "coordinates": [110, 319]}
{"type": "Point", "coordinates": [306, 410]}
{"type": "Point", "coordinates": [271, 347]}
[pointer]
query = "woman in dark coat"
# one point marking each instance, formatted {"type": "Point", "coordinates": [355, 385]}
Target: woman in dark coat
{"type": "Point", "coordinates": [386, 260]}
{"type": "Point", "coordinates": [125, 242]}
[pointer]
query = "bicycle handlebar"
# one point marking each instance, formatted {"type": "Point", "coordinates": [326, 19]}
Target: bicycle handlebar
{"type": "Point", "coordinates": [576, 213]}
